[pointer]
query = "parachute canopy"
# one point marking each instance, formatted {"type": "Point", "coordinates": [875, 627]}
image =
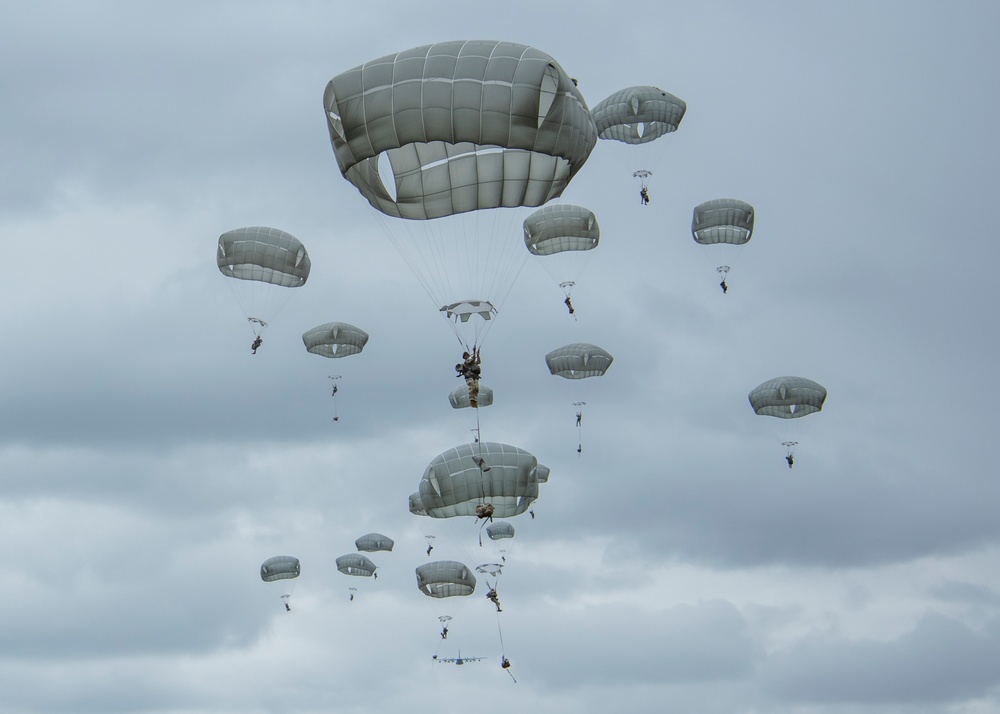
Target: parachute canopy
{"type": "Point", "coordinates": [787, 397]}
{"type": "Point", "coordinates": [335, 339]}
{"type": "Point", "coordinates": [459, 396]}
{"type": "Point", "coordinates": [267, 255]}
{"type": "Point", "coordinates": [638, 115]}
{"type": "Point", "coordinates": [561, 228]}
{"type": "Point", "coordinates": [454, 484]}
{"type": "Point", "coordinates": [493, 569]}
{"type": "Point", "coordinates": [500, 530]}
{"type": "Point", "coordinates": [578, 361]}
{"type": "Point", "coordinates": [372, 542]}
{"type": "Point", "coordinates": [355, 564]}
{"type": "Point", "coordinates": [726, 221]}
{"type": "Point", "coordinates": [445, 578]}
{"type": "Point", "coordinates": [458, 126]}
{"type": "Point", "coordinates": [280, 567]}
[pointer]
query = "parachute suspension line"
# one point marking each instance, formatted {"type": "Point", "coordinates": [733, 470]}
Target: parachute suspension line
{"type": "Point", "coordinates": [503, 651]}
{"type": "Point", "coordinates": [255, 324]}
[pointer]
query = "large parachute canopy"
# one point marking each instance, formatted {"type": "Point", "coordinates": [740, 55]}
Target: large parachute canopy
{"type": "Point", "coordinates": [458, 129]}
{"type": "Point", "coordinates": [500, 530]}
{"type": "Point", "coordinates": [638, 116]}
{"type": "Point", "coordinates": [787, 397]}
{"type": "Point", "coordinates": [459, 396]}
{"type": "Point", "coordinates": [454, 483]}
{"type": "Point", "coordinates": [355, 564]}
{"type": "Point", "coordinates": [578, 361]}
{"type": "Point", "coordinates": [263, 262]}
{"type": "Point", "coordinates": [280, 567]}
{"type": "Point", "coordinates": [335, 339]}
{"type": "Point", "coordinates": [445, 578]}
{"type": "Point", "coordinates": [372, 542]}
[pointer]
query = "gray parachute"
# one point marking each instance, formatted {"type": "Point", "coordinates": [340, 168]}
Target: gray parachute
{"type": "Point", "coordinates": [458, 126]}
{"type": "Point", "coordinates": [454, 483]}
{"type": "Point", "coordinates": [266, 255]}
{"type": "Point", "coordinates": [638, 115]}
{"type": "Point", "coordinates": [500, 530]}
{"type": "Point", "coordinates": [335, 339]}
{"type": "Point", "coordinates": [459, 397]}
{"type": "Point", "coordinates": [787, 397]}
{"type": "Point", "coordinates": [280, 567]}
{"type": "Point", "coordinates": [372, 542]}
{"type": "Point", "coordinates": [561, 228]}
{"type": "Point", "coordinates": [356, 564]}
{"type": "Point", "coordinates": [726, 221]}
{"type": "Point", "coordinates": [445, 578]}
{"type": "Point", "coordinates": [578, 361]}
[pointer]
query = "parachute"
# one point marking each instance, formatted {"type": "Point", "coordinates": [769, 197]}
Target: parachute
{"type": "Point", "coordinates": [459, 396]}
{"type": "Point", "coordinates": [374, 542]}
{"type": "Point", "coordinates": [445, 578]}
{"type": "Point", "coordinates": [492, 569]}
{"type": "Point", "coordinates": [638, 116]}
{"type": "Point", "coordinates": [454, 483]}
{"type": "Point", "coordinates": [563, 236]}
{"type": "Point", "coordinates": [281, 567]}
{"type": "Point", "coordinates": [723, 222]}
{"type": "Point", "coordinates": [500, 530]}
{"type": "Point", "coordinates": [788, 398]}
{"type": "Point", "coordinates": [335, 339]}
{"type": "Point", "coordinates": [455, 129]}
{"type": "Point", "coordinates": [263, 262]}
{"type": "Point", "coordinates": [578, 361]}
{"type": "Point", "coordinates": [356, 564]}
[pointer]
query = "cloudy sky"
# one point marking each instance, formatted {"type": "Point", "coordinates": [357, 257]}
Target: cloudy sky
{"type": "Point", "coordinates": [149, 463]}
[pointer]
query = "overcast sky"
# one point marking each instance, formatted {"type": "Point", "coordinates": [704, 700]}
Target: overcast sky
{"type": "Point", "coordinates": [149, 463]}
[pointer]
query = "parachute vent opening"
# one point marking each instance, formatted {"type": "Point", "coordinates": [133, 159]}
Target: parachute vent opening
{"type": "Point", "coordinates": [336, 125]}
{"type": "Point", "coordinates": [387, 176]}
{"type": "Point", "coordinates": [547, 92]}
{"type": "Point", "coordinates": [640, 129]}
{"type": "Point", "coordinates": [634, 104]}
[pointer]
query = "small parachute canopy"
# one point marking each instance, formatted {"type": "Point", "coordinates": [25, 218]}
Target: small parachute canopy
{"type": "Point", "coordinates": [542, 473]}
{"type": "Point", "coordinates": [280, 567]}
{"type": "Point", "coordinates": [458, 126]}
{"type": "Point", "coordinates": [464, 309]}
{"type": "Point", "coordinates": [500, 530]}
{"type": "Point", "coordinates": [459, 396]}
{"type": "Point", "coordinates": [787, 397]}
{"type": "Point", "coordinates": [355, 564]}
{"type": "Point", "coordinates": [445, 578]}
{"type": "Point", "coordinates": [372, 542]}
{"type": "Point", "coordinates": [723, 220]}
{"type": "Point", "coordinates": [493, 569]}
{"type": "Point", "coordinates": [561, 228]}
{"type": "Point", "coordinates": [267, 255]}
{"type": "Point", "coordinates": [335, 339]}
{"type": "Point", "coordinates": [578, 361]}
{"type": "Point", "coordinates": [454, 484]}
{"type": "Point", "coordinates": [638, 115]}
